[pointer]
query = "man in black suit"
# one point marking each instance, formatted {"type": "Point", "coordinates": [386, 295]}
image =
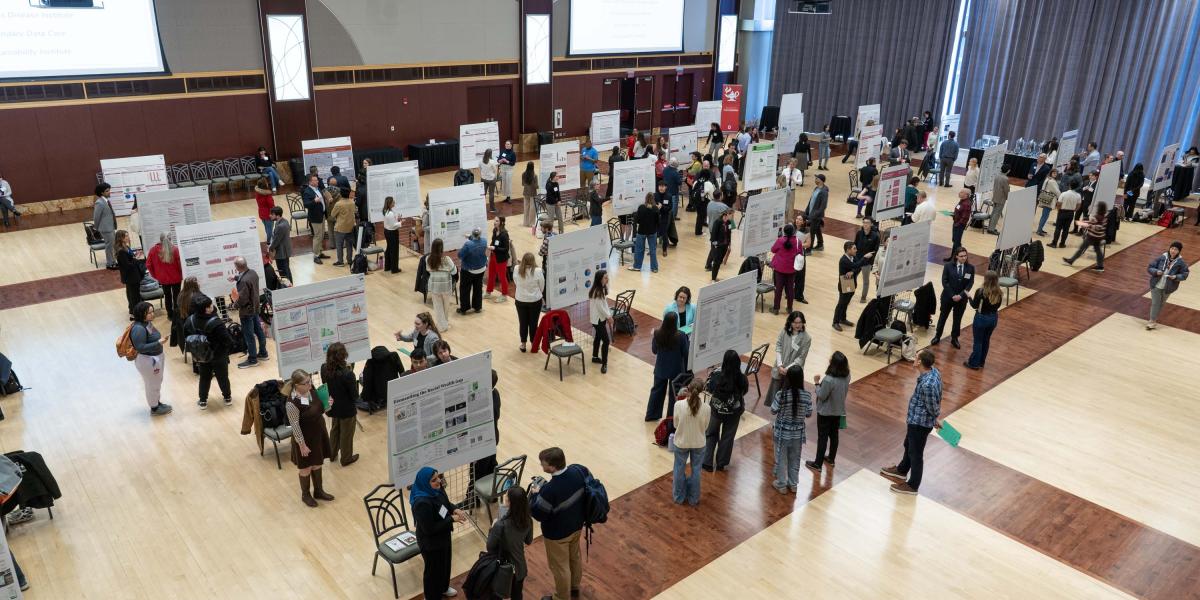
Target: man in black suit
{"type": "Point", "coordinates": [957, 279]}
{"type": "Point", "coordinates": [1040, 171]}
{"type": "Point", "coordinates": [848, 268]}
{"type": "Point", "coordinates": [314, 203]}
{"type": "Point", "coordinates": [816, 212]}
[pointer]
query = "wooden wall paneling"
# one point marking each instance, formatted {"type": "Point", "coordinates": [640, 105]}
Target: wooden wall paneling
{"type": "Point", "coordinates": [442, 108]}
{"type": "Point", "coordinates": [215, 122]}
{"type": "Point", "coordinates": [24, 165]}
{"type": "Point", "coordinates": [402, 113]}
{"type": "Point", "coordinates": [253, 124]}
{"type": "Point", "coordinates": [334, 113]}
{"type": "Point", "coordinates": [169, 129]}
{"type": "Point", "coordinates": [370, 119]}
{"type": "Point", "coordinates": [121, 129]}
{"type": "Point", "coordinates": [71, 150]}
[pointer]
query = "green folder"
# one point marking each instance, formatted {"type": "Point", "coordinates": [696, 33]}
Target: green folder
{"type": "Point", "coordinates": [950, 434]}
{"type": "Point", "coordinates": [686, 329]}
{"type": "Point", "coordinates": [323, 396]}
{"type": "Point", "coordinates": [405, 351]}
{"type": "Point", "coordinates": [842, 422]}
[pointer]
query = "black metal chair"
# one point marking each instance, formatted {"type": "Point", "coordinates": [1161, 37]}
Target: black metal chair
{"type": "Point", "coordinates": [622, 317]}
{"type": "Point", "coordinates": [563, 350]}
{"type": "Point", "coordinates": [394, 541]}
{"type": "Point", "coordinates": [489, 488]}
{"type": "Point", "coordinates": [751, 367]}
{"type": "Point", "coordinates": [617, 240]}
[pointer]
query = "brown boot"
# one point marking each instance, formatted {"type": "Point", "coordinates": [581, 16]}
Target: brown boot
{"type": "Point", "coordinates": [318, 491]}
{"type": "Point", "coordinates": [305, 497]}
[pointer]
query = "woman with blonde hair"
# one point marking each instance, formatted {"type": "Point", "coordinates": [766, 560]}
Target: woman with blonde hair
{"type": "Point", "coordinates": [987, 312]}
{"type": "Point", "coordinates": [310, 445]}
{"type": "Point", "coordinates": [441, 282]}
{"type": "Point", "coordinates": [163, 264]}
{"type": "Point", "coordinates": [692, 415]}
{"type": "Point", "coordinates": [529, 281]}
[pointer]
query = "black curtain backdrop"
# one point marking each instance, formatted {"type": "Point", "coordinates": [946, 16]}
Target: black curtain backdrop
{"type": "Point", "coordinates": [884, 52]}
{"type": "Point", "coordinates": [1126, 73]}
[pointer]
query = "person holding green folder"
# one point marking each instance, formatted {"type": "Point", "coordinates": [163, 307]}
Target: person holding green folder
{"type": "Point", "coordinates": [339, 398]}
{"type": "Point", "coordinates": [924, 406]}
{"type": "Point", "coordinates": [831, 409]}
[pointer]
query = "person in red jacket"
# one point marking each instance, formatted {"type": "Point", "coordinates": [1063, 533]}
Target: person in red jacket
{"type": "Point", "coordinates": [265, 201]}
{"type": "Point", "coordinates": [962, 218]}
{"type": "Point", "coordinates": [163, 263]}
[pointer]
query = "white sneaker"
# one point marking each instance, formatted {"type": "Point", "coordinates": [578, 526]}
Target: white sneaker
{"type": "Point", "coordinates": [487, 294]}
{"type": "Point", "coordinates": [450, 592]}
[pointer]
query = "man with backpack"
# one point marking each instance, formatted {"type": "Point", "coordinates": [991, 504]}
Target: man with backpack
{"type": "Point", "coordinates": [561, 506]}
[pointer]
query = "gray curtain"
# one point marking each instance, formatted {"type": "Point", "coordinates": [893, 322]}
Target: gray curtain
{"type": "Point", "coordinates": [1126, 73]}
{"type": "Point", "coordinates": [890, 53]}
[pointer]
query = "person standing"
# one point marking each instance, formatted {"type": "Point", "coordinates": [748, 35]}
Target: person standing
{"type": "Point", "coordinates": [791, 349]}
{"type": "Point", "coordinates": [587, 164]}
{"type": "Point", "coordinates": [554, 200]}
{"type": "Point", "coordinates": [310, 440]}
{"type": "Point", "coordinates": [802, 154]}
{"type": "Point", "coordinates": [926, 210]}
{"type": "Point", "coordinates": [105, 222]}
{"type": "Point", "coordinates": [163, 264]}
{"type": "Point", "coordinates": [344, 218]}
{"type": "Point", "coordinates": [823, 149]}
{"type": "Point", "coordinates": [1166, 271]}
{"type": "Point", "coordinates": [957, 279]}
{"type": "Point", "coordinates": [924, 406]}
{"type": "Point", "coordinates": [1091, 162]}
{"type": "Point", "coordinates": [615, 156]}
{"type": "Point", "coordinates": [498, 260]}
{"type": "Point", "coordinates": [343, 403]}
{"type": "Point", "coordinates": [507, 159]}
{"type": "Point", "coordinates": [600, 316]}
{"type": "Point", "coordinates": [1041, 172]}
{"type": "Point", "coordinates": [489, 172]}
{"type": "Point", "coordinates": [205, 321]}
{"type": "Point", "coordinates": [728, 387]}
{"type": "Point", "coordinates": [529, 188]}
{"type": "Point", "coordinates": [391, 234]}
{"type": "Point", "coordinates": [1000, 188]}
{"type": "Point", "coordinates": [441, 282]}
{"type": "Point", "coordinates": [692, 416]}
{"type": "Point", "coordinates": [673, 179]}
{"type": "Point", "coordinates": [510, 534]}
{"type": "Point", "coordinates": [816, 212]}
{"type": "Point", "coordinates": [662, 200]}
{"type": "Point", "coordinates": [314, 204]}
{"type": "Point", "coordinates": [1133, 189]}
{"type": "Point", "coordinates": [265, 201]}
{"type": "Point", "coordinates": [423, 336]}
{"type": "Point", "coordinates": [1095, 229]}
{"type": "Point", "coordinates": [791, 406]}
{"type": "Point", "coordinates": [971, 179]}
{"type": "Point", "coordinates": [670, 349]}
{"type": "Point", "coordinates": [720, 237]}
{"type": "Point", "coordinates": [473, 256]}
{"type": "Point", "coordinates": [149, 362]}
{"type": "Point", "coordinates": [529, 282]}
{"type": "Point", "coordinates": [559, 506]}
{"type": "Point", "coordinates": [434, 516]}
{"type": "Point", "coordinates": [646, 233]}
{"type": "Point", "coordinates": [715, 138]}
{"type": "Point", "coordinates": [682, 306]}
{"type": "Point", "coordinates": [1068, 203]}
{"type": "Point", "coordinates": [783, 262]}
{"type": "Point", "coordinates": [130, 269]}
{"type": "Point", "coordinates": [280, 245]}
{"type": "Point", "coordinates": [848, 268]}
{"type": "Point", "coordinates": [986, 303]}
{"type": "Point", "coordinates": [246, 298]}
{"type": "Point", "coordinates": [1047, 197]}
{"type": "Point", "coordinates": [831, 409]}
{"type": "Point", "coordinates": [947, 155]}
{"type": "Point", "coordinates": [962, 219]}
{"type": "Point", "coordinates": [866, 241]}
{"type": "Point", "coordinates": [1087, 193]}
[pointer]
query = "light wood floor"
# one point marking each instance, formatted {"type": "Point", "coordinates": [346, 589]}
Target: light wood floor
{"type": "Point", "coordinates": [1108, 416]}
{"type": "Point", "coordinates": [859, 539]}
{"type": "Point", "coordinates": [1188, 294]}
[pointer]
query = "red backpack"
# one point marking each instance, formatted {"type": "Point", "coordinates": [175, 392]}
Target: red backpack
{"type": "Point", "coordinates": [663, 432]}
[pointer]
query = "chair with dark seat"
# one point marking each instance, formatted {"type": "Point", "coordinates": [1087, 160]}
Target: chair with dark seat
{"type": "Point", "coordinates": [395, 542]}
{"type": "Point", "coordinates": [489, 488]}
{"type": "Point", "coordinates": [564, 350]}
{"type": "Point", "coordinates": [622, 317]}
{"type": "Point", "coordinates": [250, 170]}
{"type": "Point", "coordinates": [297, 211]}
{"type": "Point", "coordinates": [617, 240]}
{"type": "Point", "coordinates": [855, 187]}
{"type": "Point", "coordinates": [199, 173]}
{"type": "Point", "coordinates": [94, 241]}
{"type": "Point", "coordinates": [216, 173]}
{"type": "Point", "coordinates": [181, 175]}
{"type": "Point", "coordinates": [276, 435]}
{"type": "Point", "coordinates": [233, 170]}
{"type": "Point", "coordinates": [751, 367]}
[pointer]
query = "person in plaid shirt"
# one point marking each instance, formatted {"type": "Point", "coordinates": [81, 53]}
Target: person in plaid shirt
{"type": "Point", "coordinates": [923, 409]}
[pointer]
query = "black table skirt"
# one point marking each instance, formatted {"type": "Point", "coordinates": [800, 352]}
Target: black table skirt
{"type": "Point", "coordinates": [378, 156]}
{"type": "Point", "coordinates": [840, 125]}
{"type": "Point", "coordinates": [434, 156]}
{"type": "Point", "coordinates": [1018, 166]}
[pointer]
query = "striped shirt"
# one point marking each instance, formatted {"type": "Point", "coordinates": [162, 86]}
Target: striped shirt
{"type": "Point", "coordinates": [789, 423]}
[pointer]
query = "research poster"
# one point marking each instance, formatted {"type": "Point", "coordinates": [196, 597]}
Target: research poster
{"type": "Point", "coordinates": [989, 170]}
{"type": "Point", "coordinates": [1066, 148]}
{"type": "Point", "coordinates": [791, 123]}
{"type": "Point", "coordinates": [1164, 169]}
{"type": "Point", "coordinates": [870, 138]}
{"type": "Point", "coordinates": [561, 159]}
{"type": "Point", "coordinates": [949, 123]}
{"type": "Point", "coordinates": [475, 139]}
{"type": "Point", "coordinates": [889, 198]}
{"type": "Point", "coordinates": [10, 588]}
{"type": "Point", "coordinates": [904, 261]}
{"type": "Point", "coordinates": [866, 113]}
{"type": "Point", "coordinates": [131, 176]}
{"type": "Point", "coordinates": [759, 172]}
{"type": "Point", "coordinates": [440, 417]}
{"type": "Point", "coordinates": [456, 211]}
{"type": "Point", "coordinates": [1106, 186]}
{"type": "Point", "coordinates": [724, 321]}
{"type": "Point", "coordinates": [401, 181]}
{"type": "Point", "coordinates": [572, 260]}
{"type": "Point", "coordinates": [606, 129]}
{"type": "Point", "coordinates": [209, 249]}
{"type": "Point", "coordinates": [766, 214]}
{"type": "Point", "coordinates": [632, 180]}
{"type": "Point", "coordinates": [1017, 227]}
{"type": "Point", "coordinates": [707, 113]}
{"type": "Point", "coordinates": [682, 142]}
{"type": "Point", "coordinates": [164, 210]}
{"type": "Point", "coordinates": [328, 153]}
{"type": "Point", "coordinates": [309, 318]}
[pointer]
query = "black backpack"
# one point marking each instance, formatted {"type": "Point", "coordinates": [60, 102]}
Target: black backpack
{"type": "Point", "coordinates": [595, 505]}
{"type": "Point", "coordinates": [272, 406]}
{"type": "Point", "coordinates": [196, 341]}
{"type": "Point", "coordinates": [359, 264]}
{"type": "Point", "coordinates": [463, 177]}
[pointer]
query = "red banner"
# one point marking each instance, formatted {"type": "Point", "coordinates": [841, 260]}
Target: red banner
{"type": "Point", "coordinates": [731, 107]}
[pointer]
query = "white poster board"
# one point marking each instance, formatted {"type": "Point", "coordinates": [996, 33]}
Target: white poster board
{"type": "Point", "coordinates": [1106, 186]}
{"type": "Point", "coordinates": [791, 123]}
{"type": "Point", "coordinates": [989, 170]}
{"type": "Point", "coordinates": [707, 113]}
{"type": "Point", "coordinates": [1019, 211]}
{"type": "Point", "coordinates": [163, 210]}
{"type": "Point", "coordinates": [870, 138]}
{"type": "Point", "coordinates": [759, 171]}
{"type": "Point", "coordinates": [440, 417]}
{"type": "Point", "coordinates": [328, 153]}
{"type": "Point", "coordinates": [606, 128]}
{"type": "Point", "coordinates": [724, 321]}
{"type": "Point", "coordinates": [131, 176]}
{"type": "Point", "coordinates": [456, 211]}
{"type": "Point", "coordinates": [766, 214]}
{"type": "Point", "coordinates": [10, 587]}
{"type": "Point", "coordinates": [572, 260]}
{"type": "Point", "coordinates": [682, 142]}
{"type": "Point", "coordinates": [562, 159]}
{"type": "Point", "coordinates": [1164, 168]}
{"type": "Point", "coordinates": [866, 112]}
{"type": "Point", "coordinates": [1066, 148]}
{"type": "Point", "coordinates": [632, 180]}
{"type": "Point", "coordinates": [401, 181]}
{"type": "Point", "coordinates": [889, 198]}
{"type": "Point", "coordinates": [476, 138]}
{"type": "Point", "coordinates": [209, 249]}
{"type": "Point", "coordinates": [949, 123]}
{"type": "Point", "coordinates": [905, 259]}
{"type": "Point", "coordinates": [309, 318]}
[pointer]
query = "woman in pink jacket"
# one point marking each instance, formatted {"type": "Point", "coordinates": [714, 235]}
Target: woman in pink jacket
{"type": "Point", "coordinates": [783, 262]}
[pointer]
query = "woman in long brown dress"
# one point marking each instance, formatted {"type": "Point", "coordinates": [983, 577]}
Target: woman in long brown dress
{"type": "Point", "coordinates": [310, 445]}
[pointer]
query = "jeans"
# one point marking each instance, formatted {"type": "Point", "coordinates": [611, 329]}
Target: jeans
{"type": "Point", "coordinates": [913, 461]}
{"type": "Point", "coordinates": [947, 166]}
{"type": "Point", "coordinates": [528, 314]}
{"type": "Point", "coordinates": [787, 463]}
{"type": "Point", "coordinates": [7, 206]}
{"type": "Point", "coordinates": [827, 432]}
{"type": "Point", "coordinates": [344, 241]}
{"type": "Point", "coordinates": [981, 338]}
{"type": "Point", "coordinates": [674, 203]}
{"type": "Point", "coordinates": [218, 367]}
{"type": "Point", "coordinates": [1042, 220]}
{"type": "Point", "coordinates": [718, 446]}
{"type": "Point", "coordinates": [658, 393]}
{"type": "Point", "coordinates": [1157, 299]}
{"type": "Point", "coordinates": [601, 342]}
{"type": "Point", "coordinates": [269, 227]}
{"type": "Point", "coordinates": [639, 251]}
{"type": "Point", "coordinates": [683, 486]}
{"type": "Point", "coordinates": [470, 291]}
{"type": "Point", "coordinates": [784, 285]}
{"type": "Point", "coordinates": [252, 330]}
{"type": "Point", "coordinates": [1097, 243]}
{"type": "Point", "coordinates": [16, 567]}
{"type": "Point", "coordinates": [272, 176]}
{"type": "Point", "coordinates": [948, 306]}
{"type": "Point", "coordinates": [597, 219]}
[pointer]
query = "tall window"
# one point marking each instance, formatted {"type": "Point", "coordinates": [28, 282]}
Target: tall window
{"type": "Point", "coordinates": [289, 57]}
{"type": "Point", "coordinates": [537, 49]}
{"type": "Point", "coordinates": [950, 100]}
{"type": "Point", "coordinates": [727, 49]}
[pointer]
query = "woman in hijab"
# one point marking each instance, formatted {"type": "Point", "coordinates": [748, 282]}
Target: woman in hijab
{"type": "Point", "coordinates": [434, 516]}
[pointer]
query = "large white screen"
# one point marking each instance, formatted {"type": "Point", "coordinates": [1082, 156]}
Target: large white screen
{"type": "Point", "coordinates": [626, 26]}
{"type": "Point", "coordinates": [56, 38]}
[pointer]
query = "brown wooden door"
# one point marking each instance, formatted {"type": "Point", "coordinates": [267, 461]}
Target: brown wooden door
{"type": "Point", "coordinates": [685, 105]}
{"type": "Point", "coordinates": [643, 96]}
{"type": "Point", "coordinates": [666, 105]}
{"type": "Point", "coordinates": [610, 94]}
{"type": "Point", "coordinates": [491, 103]}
